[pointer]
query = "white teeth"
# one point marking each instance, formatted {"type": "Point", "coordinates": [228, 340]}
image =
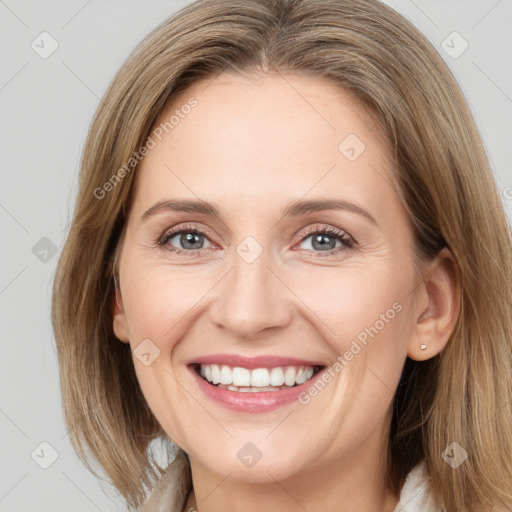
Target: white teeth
{"type": "Point", "coordinates": [276, 377]}
{"type": "Point", "coordinates": [225, 375]}
{"type": "Point", "coordinates": [301, 376]}
{"type": "Point", "coordinates": [215, 374]}
{"type": "Point", "coordinates": [259, 379]}
{"type": "Point", "coordinates": [241, 376]}
{"type": "Point", "coordinates": [289, 376]}
{"type": "Point", "coordinates": [253, 390]}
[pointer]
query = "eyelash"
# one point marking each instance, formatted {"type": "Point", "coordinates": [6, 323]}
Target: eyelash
{"type": "Point", "coordinates": [345, 239]}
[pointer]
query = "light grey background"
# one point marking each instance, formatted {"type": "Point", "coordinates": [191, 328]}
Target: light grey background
{"type": "Point", "coordinates": [46, 106]}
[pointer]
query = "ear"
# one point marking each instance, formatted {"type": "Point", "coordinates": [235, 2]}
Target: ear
{"type": "Point", "coordinates": [438, 307]}
{"type": "Point", "coordinates": [120, 325]}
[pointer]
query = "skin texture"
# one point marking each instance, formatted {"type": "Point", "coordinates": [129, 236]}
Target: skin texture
{"type": "Point", "coordinates": [251, 146]}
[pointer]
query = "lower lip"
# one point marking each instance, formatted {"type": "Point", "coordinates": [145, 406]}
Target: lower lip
{"type": "Point", "coordinates": [253, 402]}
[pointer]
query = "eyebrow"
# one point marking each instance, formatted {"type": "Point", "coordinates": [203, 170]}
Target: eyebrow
{"type": "Point", "coordinates": [293, 209]}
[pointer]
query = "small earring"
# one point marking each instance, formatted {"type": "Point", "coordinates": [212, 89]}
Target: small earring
{"type": "Point", "coordinates": [423, 346]}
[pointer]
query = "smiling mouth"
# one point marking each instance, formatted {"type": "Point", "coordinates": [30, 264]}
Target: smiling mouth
{"type": "Point", "coordinates": [255, 380]}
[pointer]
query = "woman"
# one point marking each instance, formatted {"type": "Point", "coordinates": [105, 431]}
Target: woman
{"type": "Point", "coordinates": [289, 261]}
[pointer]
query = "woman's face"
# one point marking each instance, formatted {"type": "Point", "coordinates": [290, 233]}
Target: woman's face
{"type": "Point", "coordinates": [224, 271]}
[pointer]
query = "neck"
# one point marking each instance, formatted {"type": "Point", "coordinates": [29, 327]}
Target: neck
{"type": "Point", "coordinates": [356, 482]}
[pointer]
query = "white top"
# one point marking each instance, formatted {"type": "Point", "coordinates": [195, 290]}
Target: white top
{"type": "Point", "coordinates": [172, 490]}
{"type": "Point", "coordinates": [416, 495]}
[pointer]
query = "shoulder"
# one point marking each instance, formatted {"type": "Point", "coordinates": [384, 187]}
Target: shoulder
{"type": "Point", "coordinates": [416, 495]}
{"type": "Point", "coordinates": [171, 492]}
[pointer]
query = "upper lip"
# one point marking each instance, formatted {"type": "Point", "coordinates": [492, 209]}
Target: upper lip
{"type": "Point", "coordinates": [234, 360]}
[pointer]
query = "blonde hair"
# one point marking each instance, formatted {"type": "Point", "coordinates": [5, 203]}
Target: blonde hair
{"type": "Point", "coordinates": [464, 394]}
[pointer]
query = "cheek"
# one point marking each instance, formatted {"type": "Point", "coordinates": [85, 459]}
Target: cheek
{"type": "Point", "coordinates": [359, 304]}
{"type": "Point", "coordinates": [159, 302]}
{"type": "Point", "coordinates": [363, 314]}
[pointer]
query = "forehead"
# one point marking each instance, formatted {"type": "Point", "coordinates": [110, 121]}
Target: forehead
{"type": "Point", "coordinates": [276, 99]}
{"type": "Point", "coordinates": [253, 138]}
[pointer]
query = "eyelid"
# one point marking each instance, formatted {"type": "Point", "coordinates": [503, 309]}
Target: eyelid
{"type": "Point", "coordinates": [327, 229]}
{"type": "Point", "coordinates": [171, 232]}
{"type": "Point", "coordinates": [347, 240]}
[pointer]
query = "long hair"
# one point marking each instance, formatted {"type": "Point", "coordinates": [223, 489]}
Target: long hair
{"type": "Point", "coordinates": [442, 174]}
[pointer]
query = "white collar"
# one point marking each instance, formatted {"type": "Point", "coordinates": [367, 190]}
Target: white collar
{"type": "Point", "coordinates": [416, 495]}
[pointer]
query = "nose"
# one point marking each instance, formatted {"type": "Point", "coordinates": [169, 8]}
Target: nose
{"type": "Point", "coordinates": [251, 299]}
